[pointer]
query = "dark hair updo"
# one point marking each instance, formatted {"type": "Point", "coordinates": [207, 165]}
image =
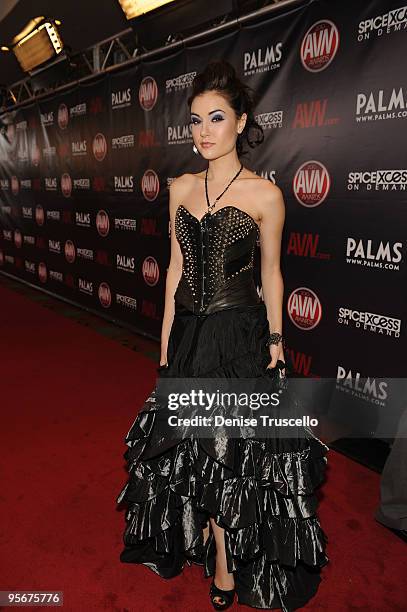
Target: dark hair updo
{"type": "Point", "coordinates": [220, 76]}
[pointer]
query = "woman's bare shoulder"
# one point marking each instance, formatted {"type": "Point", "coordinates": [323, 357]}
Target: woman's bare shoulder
{"type": "Point", "coordinates": [259, 185]}
{"type": "Point", "coordinates": [270, 200]}
{"type": "Point", "coordinates": [183, 181]}
{"type": "Point", "coordinates": [259, 182]}
{"type": "Point", "coordinates": [179, 189]}
{"type": "Point", "coordinates": [261, 193]}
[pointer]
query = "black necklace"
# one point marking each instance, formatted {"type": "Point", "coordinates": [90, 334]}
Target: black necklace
{"type": "Point", "coordinates": [211, 206]}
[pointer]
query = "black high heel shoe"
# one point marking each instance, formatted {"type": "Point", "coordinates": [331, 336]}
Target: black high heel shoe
{"type": "Point", "coordinates": [227, 597]}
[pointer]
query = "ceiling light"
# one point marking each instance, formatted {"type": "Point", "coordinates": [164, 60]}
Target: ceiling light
{"type": "Point", "coordinates": [37, 43]}
{"type": "Point", "coordinates": [135, 8]}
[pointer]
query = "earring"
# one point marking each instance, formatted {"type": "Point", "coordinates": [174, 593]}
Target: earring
{"type": "Point", "coordinates": [195, 150]}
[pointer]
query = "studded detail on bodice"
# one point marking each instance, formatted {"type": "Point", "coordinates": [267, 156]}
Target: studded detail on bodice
{"type": "Point", "coordinates": [218, 257]}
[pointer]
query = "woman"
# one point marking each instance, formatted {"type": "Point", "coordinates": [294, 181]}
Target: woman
{"type": "Point", "coordinates": [247, 513]}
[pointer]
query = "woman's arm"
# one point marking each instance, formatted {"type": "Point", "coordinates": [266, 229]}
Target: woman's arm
{"type": "Point", "coordinates": [174, 270]}
{"type": "Point", "coordinates": [272, 210]}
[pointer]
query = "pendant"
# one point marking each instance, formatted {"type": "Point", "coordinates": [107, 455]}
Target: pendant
{"type": "Point", "coordinates": [212, 206]}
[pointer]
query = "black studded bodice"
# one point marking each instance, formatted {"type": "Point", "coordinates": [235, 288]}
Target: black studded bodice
{"type": "Point", "coordinates": [218, 256]}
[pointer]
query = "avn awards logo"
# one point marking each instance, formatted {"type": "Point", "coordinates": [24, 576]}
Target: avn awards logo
{"type": "Point", "coordinates": [150, 271]}
{"type": "Point", "coordinates": [66, 185]}
{"type": "Point", "coordinates": [105, 295]}
{"type": "Point", "coordinates": [319, 45]}
{"type": "Point", "coordinates": [102, 223]}
{"type": "Point", "coordinates": [150, 185]}
{"type": "Point", "coordinates": [313, 114]}
{"type": "Point", "coordinates": [18, 238]}
{"type": "Point", "coordinates": [63, 116]}
{"type": "Point", "coordinates": [148, 93]}
{"type": "Point", "coordinates": [35, 154]}
{"type": "Point", "coordinates": [95, 105]}
{"type": "Point", "coordinates": [39, 215]}
{"type": "Point", "coordinates": [69, 280]}
{"type": "Point", "coordinates": [41, 243]}
{"type": "Point", "coordinates": [311, 184]}
{"type": "Point", "coordinates": [70, 252]}
{"type": "Point", "coordinates": [10, 132]}
{"type": "Point", "coordinates": [99, 183]}
{"type": "Point", "coordinates": [42, 272]}
{"type": "Point", "coordinates": [15, 185]}
{"type": "Point", "coordinates": [147, 139]}
{"type": "Point", "coordinates": [99, 147]}
{"type": "Point", "coordinates": [305, 244]}
{"type": "Point", "coordinates": [304, 308]}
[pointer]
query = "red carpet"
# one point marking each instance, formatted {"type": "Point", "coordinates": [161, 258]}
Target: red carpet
{"type": "Point", "coordinates": [68, 398]}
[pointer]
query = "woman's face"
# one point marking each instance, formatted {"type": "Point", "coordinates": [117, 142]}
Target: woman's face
{"type": "Point", "coordinates": [214, 121]}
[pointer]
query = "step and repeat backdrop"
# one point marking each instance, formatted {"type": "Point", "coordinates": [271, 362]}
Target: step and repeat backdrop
{"type": "Point", "coordinates": [84, 178]}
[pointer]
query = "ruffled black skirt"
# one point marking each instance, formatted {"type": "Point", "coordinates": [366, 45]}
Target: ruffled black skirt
{"type": "Point", "coordinates": [261, 491]}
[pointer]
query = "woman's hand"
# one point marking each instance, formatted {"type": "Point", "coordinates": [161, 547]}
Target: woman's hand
{"type": "Point", "coordinates": [276, 354]}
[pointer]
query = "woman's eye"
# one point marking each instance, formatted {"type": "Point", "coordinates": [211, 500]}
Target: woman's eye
{"type": "Point", "coordinates": [215, 118]}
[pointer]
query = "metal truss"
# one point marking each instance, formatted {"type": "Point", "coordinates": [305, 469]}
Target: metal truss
{"type": "Point", "coordinates": [95, 59]}
{"type": "Point", "coordinates": [119, 50]}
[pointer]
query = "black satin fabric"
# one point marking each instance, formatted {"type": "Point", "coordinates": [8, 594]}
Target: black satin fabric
{"type": "Point", "coordinates": [262, 492]}
{"type": "Point", "coordinates": [237, 291]}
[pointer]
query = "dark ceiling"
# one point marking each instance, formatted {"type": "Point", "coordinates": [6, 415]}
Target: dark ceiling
{"type": "Point", "coordinates": [84, 22]}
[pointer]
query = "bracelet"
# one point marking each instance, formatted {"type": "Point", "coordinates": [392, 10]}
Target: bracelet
{"type": "Point", "coordinates": [275, 338]}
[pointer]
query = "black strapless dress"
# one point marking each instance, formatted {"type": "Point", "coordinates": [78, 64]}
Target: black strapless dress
{"type": "Point", "coordinates": [261, 491]}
